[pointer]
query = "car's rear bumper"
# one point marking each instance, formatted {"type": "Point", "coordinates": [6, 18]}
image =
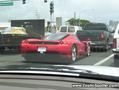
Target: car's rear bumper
{"type": "Point", "coordinates": [98, 46]}
{"type": "Point", "coordinates": [46, 57]}
{"type": "Point", "coordinates": [61, 49]}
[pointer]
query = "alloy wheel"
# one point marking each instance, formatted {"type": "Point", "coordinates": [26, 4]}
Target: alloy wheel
{"type": "Point", "coordinates": [74, 54]}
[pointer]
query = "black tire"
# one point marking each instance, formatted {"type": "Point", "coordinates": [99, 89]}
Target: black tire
{"type": "Point", "coordinates": [29, 58]}
{"type": "Point", "coordinates": [73, 54]}
{"type": "Point", "coordinates": [116, 61]}
{"type": "Point", "coordinates": [116, 56]}
{"type": "Point", "coordinates": [2, 50]}
{"type": "Point", "coordinates": [106, 48]}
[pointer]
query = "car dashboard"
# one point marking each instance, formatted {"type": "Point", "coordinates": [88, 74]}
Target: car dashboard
{"type": "Point", "coordinates": [47, 82]}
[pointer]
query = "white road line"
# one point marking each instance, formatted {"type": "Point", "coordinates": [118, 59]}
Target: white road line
{"type": "Point", "coordinates": [104, 60]}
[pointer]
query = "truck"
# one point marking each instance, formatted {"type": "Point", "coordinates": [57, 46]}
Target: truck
{"type": "Point", "coordinates": [99, 35]}
{"type": "Point", "coordinates": [12, 33]}
{"type": "Point", "coordinates": [70, 29]}
{"type": "Point", "coordinates": [11, 39]}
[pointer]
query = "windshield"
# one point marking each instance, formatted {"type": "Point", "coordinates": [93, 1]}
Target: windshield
{"type": "Point", "coordinates": [71, 29]}
{"type": "Point", "coordinates": [56, 36]}
{"type": "Point", "coordinates": [63, 29]}
{"type": "Point", "coordinates": [43, 33]}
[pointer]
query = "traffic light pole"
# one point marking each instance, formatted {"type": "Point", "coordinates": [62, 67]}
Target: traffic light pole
{"type": "Point", "coordinates": [51, 25]}
{"type": "Point", "coordinates": [51, 15]}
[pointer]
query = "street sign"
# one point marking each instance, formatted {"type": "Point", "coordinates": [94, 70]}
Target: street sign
{"type": "Point", "coordinates": [6, 3]}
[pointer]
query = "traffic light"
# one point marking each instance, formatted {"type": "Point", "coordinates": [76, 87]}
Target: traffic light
{"type": "Point", "coordinates": [45, 1]}
{"type": "Point", "coordinates": [24, 1]}
{"type": "Point", "coordinates": [51, 7]}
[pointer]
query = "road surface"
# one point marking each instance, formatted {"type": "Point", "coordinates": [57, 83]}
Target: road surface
{"type": "Point", "coordinates": [13, 59]}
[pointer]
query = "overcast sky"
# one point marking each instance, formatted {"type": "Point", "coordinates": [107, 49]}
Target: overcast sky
{"type": "Point", "coordinates": [93, 10]}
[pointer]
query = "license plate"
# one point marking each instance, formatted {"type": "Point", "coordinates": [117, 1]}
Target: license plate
{"type": "Point", "coordinates": [41, 49]}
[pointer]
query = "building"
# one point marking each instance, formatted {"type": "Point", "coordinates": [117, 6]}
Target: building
{"type": "Point", "coordinates": [58, 22]}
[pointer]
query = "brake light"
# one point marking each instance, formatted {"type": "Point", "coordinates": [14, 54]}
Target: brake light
{"type": "Point", "coordinates": [24, 41]}
{"type": "Point", "coordinates": [102, 36]}
{"type": "Point", "coordinates": [114, 43]}
{"type": "Point", "coordinates": [62, 42]}
{"type": "Point", "coordinates": [78, 35]}
{"type": "Point", "coordinates": [88, 39]}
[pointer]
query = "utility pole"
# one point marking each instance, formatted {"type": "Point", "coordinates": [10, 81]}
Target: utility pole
{"type": "Point", "coordinates": [75, 15]}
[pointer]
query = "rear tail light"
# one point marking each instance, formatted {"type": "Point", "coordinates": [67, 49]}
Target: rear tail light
{"type": "Point", "coordinates": [62, 42]}
{"type": "Point", "coordinates": [78, 35]}
{"type": "Point", "coordinates": [88, 39]}
{"type": "Point", "coordinates": [24, 41]}
{"type": "Point", "coordinates": [114, 43]}
{"type": "Point", "coordinates": [102, 36]}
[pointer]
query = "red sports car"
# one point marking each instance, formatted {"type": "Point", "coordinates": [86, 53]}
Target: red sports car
{"type": "Point", "coordinates": [65, 45]}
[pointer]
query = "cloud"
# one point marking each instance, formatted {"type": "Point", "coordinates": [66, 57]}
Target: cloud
{"type": "Point", "coordinates": [94, 10]}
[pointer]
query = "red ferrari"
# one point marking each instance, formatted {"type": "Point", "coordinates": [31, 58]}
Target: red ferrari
{"type": "Point", "coordinates": [65, 45]}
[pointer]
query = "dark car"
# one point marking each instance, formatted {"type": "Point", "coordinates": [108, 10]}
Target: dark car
{"type": "Point", "coordinates": [98, 34]}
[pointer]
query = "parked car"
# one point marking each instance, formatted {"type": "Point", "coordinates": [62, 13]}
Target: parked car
{"type": "Point", "coordinates": [64, 45]}
{"type": "Point", "coordinates": [98, 34]}
{"type": "Point", "coordinates": [70, 29]}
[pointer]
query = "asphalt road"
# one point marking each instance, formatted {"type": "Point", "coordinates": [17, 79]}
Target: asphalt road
{"type": "Point", "coordinates": [97, 58]}
{"type": "Point", "coordinates": [14, 59]}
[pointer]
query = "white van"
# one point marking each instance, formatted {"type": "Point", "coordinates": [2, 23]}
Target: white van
{"type": "Point", "coordinates": [116, 43]}
{"type": "Point", "coordinates": [70, 29]}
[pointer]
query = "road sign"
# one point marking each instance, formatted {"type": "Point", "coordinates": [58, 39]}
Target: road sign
{"type": "Point", "coordinates": [6, 3]}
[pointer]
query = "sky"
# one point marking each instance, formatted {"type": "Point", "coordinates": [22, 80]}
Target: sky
{"type": "Point", "coordinates": [93, 10]}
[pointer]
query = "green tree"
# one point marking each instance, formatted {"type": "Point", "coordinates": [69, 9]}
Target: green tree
{"type": "Point", "coordinates": [78, 21]}
{"type": "Point", "coordinates": [83, 22]}
{"type": "Point", "coordinates": [73, 21]}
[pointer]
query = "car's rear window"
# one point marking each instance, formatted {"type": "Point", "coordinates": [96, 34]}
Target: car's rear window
{"type": "Point", "coordinates": [84, 35]}
{"type": "Point", "coordinates": [71, 29]}
{"type": "Point", "coordinates": [63, 29]}
{"type": "Point", "coordinates": [95, 27]}
{"type": "Point", "coordinates": [56, 36]}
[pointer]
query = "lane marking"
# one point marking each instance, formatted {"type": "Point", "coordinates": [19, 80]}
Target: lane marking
{"type": "Point", "coordinates": [104, 60]}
